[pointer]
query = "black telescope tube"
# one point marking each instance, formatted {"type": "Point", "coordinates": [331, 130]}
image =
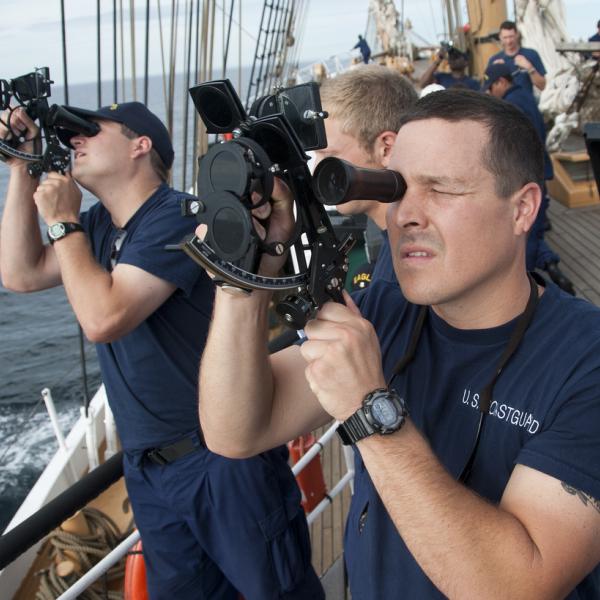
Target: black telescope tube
{"type": "Point", "coordinates": [58, 116]}
{"type": "Point", "coordinates": [336, 181]}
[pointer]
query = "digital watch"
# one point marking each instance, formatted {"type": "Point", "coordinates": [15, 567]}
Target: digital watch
{"type": "Point", "coordinates": [382, 412]}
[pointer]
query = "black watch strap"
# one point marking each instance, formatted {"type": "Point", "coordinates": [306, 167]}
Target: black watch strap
{"type": "Point", "coordinates": [57, 231]}
{"type": "Point", "coordinates": [354, 428]}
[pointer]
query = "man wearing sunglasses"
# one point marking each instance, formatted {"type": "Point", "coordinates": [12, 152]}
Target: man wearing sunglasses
{"type": "Point", "coordinates": [211, 527]}
{"type": "Point", "coordinates": [471, 391]}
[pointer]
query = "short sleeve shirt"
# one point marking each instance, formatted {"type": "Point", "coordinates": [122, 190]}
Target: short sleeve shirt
{"type": "Point", "coordinates": [151, 373]}
{"type": "Point", "coordinates": [448, 81]}
{"type": "Point", "coordinates": [545, 414]}
{"type": "Point", "coordinates": [521, 77]}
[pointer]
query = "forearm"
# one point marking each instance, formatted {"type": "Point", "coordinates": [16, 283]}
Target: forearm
{"type": "Point", "coordinates": [22, 253]}
{"type": "Point", "coordinates": [538, 80]}
{"type": "Point", "coordinates": [88, 286]}
{"type": "Point", "coordinates": [468, 547]}
{"type": "Point", "coordinates": [427, 76]}
{"type": "Point", "coordinates": [236, 383]}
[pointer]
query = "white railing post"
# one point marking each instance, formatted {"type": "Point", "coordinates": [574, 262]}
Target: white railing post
{"type": "Point", "coordinates": [60, 438]}
{"type": "Point", "coordinates": [90, 439]}
{"type": "Point", "coordinates": [110, 429]}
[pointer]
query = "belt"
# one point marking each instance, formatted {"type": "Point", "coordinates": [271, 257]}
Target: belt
{"type": "Point", "coordinates": [171, 452]}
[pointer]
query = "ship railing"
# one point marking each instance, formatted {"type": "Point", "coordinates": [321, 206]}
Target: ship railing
{"type": "Point", "coordinates": [124, 547]}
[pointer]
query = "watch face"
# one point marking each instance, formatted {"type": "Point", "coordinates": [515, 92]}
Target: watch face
{"type": "Point", "coordinates": [384, 412]}
{"type": "Point", "coordinates": [56, 231]}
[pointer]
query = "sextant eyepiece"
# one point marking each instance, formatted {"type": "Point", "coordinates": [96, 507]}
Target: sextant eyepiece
{"type": "Point", "coordinates": [337, 181]}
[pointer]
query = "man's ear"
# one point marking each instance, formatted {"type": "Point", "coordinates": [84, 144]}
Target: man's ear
{"type": "Point", "coordinates": [141, 146]}
{"type": "Point", "coordinates": [382, 148]}
{"type": "Point", "coordinates": [526, 204]}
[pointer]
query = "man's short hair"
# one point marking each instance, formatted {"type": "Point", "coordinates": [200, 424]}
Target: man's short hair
{"type": "Point", "coordinates": [367, 101]}
{"type": "Point", "coordinates": [514, 153]}
{"type": "Point", "coordinates": [156, 162]}
{"type": "Point", "coordinates": [508, 25]}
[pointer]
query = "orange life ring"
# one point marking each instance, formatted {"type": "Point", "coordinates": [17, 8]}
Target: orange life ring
{"type": "Point", "coordinates": [135, 587]}
{"type": "Point", "coordinates": [310, 479]}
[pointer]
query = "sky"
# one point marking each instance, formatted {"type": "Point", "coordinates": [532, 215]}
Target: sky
{"type": "Point", "coordinates": [30, 33]}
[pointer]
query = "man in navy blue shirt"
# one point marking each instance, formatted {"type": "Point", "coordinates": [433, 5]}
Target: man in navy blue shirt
{"type": "Point", "coordinates": [365, 106]}
{"type": "Point", "coordinates": [498, 82]}
{"type": "Point", "coordinates": [365, 50]}
{"type": "Point", "coordinates": [471, 392]}
{"type": "Point", "coordinates": [457, 61]}
{"type": "Point", "coordinates": [596, 38]}
{"type": "Point", "coordinates": [211, 527]}
{"type": "Point", "coordinates": [525, 64]}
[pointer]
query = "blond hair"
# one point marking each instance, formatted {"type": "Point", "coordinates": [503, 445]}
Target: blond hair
{"type": "Point", "coordinates": [367, 101]}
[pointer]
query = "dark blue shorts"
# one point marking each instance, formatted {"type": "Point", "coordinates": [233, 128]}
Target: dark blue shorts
{"type": "Point", "coordinates": [214, 527]}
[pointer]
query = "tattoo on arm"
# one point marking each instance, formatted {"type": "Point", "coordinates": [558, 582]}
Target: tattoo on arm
{"type": "Point", "coordinates": [585, 498]}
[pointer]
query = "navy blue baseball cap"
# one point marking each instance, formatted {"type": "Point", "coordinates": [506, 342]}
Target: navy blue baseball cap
{"type": "Point", "coordinates": [135, 116]}
{"type": "Point", "coordinates": [493, 73]}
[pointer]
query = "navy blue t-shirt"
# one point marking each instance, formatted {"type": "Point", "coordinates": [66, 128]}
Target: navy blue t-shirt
{"type": "Point", "coordinates": [151, 373]}
{"type": "Point", "coordinates": [384, 267]}
{"type": "Point", "coordinates": [521, 77]}
{"type": "Point", "coordinates": [524, 101]}
{"type": "Point", "coordinates": [545, 414]}
{"type": "Point", "coordinates": [448, 81]}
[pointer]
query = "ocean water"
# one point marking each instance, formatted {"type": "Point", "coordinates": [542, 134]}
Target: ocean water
{"type": "Point", "coordinates": [39, 340]}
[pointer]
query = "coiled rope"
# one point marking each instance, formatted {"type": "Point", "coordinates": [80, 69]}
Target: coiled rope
{"type": "Point", "coordinates": [81, 553]}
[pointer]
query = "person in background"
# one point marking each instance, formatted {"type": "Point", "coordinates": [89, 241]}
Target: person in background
{"type": "Point", "coordinates": [498, 81]}
{"type": "Point", "coordinates": [365, 50]}
{"type": "Point", "coordinates": [596, 38]}
{"type": "Point", "coordinates": [470, 392]}
{"type": "Point", "coordinates": [211, 527]}
{"type": "Point", "coordinates": [365, 106]}
{"type": "Point", "coordinates": [458, 62]}
{"type": "Point", "coordinates": [525, 64]}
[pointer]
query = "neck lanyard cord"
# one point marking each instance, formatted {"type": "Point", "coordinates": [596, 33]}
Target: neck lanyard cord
{"type": "Point", "coordinates": [523, 322]}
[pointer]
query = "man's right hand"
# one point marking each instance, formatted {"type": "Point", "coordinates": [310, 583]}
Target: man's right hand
{"type": "Point", "coordinates": [22, 126]}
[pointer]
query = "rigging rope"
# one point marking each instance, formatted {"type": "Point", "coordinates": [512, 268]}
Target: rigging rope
{"type": "Point", "coordinates": [115, 71]}
{"type": "Point", "coordinates": [132, 29]}
{"type": "Point", "coordinates": [64, 49]}
{"type": "Point", "coordinates": [98, 55]}
{"type": "Point", "coordinates": [146, 52]}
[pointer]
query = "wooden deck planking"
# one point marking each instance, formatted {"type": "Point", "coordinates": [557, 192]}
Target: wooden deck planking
{"type": "Point", "coordinates": [575, 236]}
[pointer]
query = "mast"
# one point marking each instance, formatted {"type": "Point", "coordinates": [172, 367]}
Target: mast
{"type": "Point", "coordinates": [485, 17]}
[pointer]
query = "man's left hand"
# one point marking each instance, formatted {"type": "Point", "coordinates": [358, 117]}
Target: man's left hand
{"type": "Point", "coordinates": [522, 62]}
{"type": "Point", "coordinates": [58, 199]}
{"type": "Point", "coordinates": [343, 356]}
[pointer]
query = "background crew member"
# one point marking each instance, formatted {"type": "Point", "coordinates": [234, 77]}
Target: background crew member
{"type": "Point", "coordinates": [519, 517]}
{"type": "Point", "coordinates": [525, 64]}
{"type": "Point", "coordinates": [210, 526]}
{"type": "Point", "coordinates": [458, 62]}
{"type": "Point", "coordinates": [365, 50]}
{"type": "Point", "coordinates": [498, 82]}
{"type": "Point", "coordinates": [365, 106]}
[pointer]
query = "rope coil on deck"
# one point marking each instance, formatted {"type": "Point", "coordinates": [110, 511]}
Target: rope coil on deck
{"type": "Point", "coordinates": [77, 553]}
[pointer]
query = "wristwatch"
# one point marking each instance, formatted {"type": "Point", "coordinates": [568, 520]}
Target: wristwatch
{"type": "Point", "coordinates": [382, 411]}
{"type": "Point", "coordinates": [56, 231]}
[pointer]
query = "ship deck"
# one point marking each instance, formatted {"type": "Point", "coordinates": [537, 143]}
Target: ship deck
{"type": "Point", "coordinates": [575, 236]}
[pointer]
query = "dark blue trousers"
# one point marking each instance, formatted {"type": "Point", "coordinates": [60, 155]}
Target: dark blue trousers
{"type": "Point", "coordinates": [214, 527]}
